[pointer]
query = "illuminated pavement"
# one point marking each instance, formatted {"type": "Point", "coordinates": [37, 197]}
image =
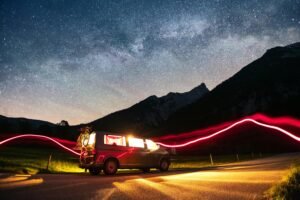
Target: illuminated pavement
{"type": "Point", "coordinates": [244, 180]}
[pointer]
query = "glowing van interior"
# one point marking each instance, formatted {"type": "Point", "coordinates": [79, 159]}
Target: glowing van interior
{"type": "Point", "coordinates": [132, 142]}
{"type": "Point", "coordinates": [115, 140]}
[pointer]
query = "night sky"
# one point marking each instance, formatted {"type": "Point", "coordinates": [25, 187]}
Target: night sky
{"type": "Point", "coordinates": [81, 60]}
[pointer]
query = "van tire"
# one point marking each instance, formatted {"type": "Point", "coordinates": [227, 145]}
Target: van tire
{"type": "Point", "coordinates": [110, 166]}
{"type": "Point", "coordinates": [94, 171]}
{"type": "Point", "coordinates": [164, 165]}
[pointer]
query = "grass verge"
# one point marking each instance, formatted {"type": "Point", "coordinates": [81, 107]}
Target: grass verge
{"type": "Point", "coordinates": [288, 188]}
{"type": "Point", "coordinates": [194, 162]}
{"type": "Point", "coordinates": [29, 160]}
{"type": "Point", "coordinates": [32, 160]}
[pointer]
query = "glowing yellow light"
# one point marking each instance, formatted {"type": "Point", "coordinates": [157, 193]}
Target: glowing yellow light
{"type": "Point", "coordinates": [130, 136]}
{"type": "Point", "coordinates": [135, 142]}
{"type": "Point", "coordinates": [85, 141]}
{"type": "Point", "coordinates": [151, 145]}
{"type": "Point", "coordinates": [92, 138]}
{"type": "Point", "coordinates": [19, 181]}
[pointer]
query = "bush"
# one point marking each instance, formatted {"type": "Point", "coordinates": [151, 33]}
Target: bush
{"type": "Point", "coordinates": [289, 188]}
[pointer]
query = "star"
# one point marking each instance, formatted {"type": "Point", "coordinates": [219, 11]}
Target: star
{"type": "Point", "coordinates": [80, 61]}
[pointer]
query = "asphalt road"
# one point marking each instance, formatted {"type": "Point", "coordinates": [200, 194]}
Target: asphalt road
{"type": "Point", "coordinates": [244, 180]}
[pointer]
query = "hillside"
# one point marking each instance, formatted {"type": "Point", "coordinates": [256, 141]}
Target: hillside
{"type": "Point", "coordinates": [149, 113]}
{"type": "Point", "coordinates": [270, 85]}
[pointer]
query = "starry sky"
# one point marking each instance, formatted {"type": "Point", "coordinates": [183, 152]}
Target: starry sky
{"type": "Point", "coordinates": [81, 60]}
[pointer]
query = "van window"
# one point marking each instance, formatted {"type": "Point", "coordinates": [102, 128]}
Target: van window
{"type": "Point", "coordinates": [151, 145]}
{"type": "Point", "coordinates": [115, 140]}
{"type": "Point", "coordinates": [136, 142]}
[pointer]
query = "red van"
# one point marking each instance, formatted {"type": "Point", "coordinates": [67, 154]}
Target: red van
{"type": "Point", "coordinates": [110, 152]}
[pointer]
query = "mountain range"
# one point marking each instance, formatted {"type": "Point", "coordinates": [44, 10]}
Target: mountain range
{"type": "Point", "coordinates": [149, 113]}
{"type": "Point", "coordinates": [145, 115]}
{"type": "Point", "coordinates": [270, 85]}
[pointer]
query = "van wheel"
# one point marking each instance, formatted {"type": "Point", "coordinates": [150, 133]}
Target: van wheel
{"type": "Point", "coordinates": [146, 170]}
{"type": "Point", "coordinates": [94, 171]}
{"type": "Point", "coordinates": [110, 167]}
{"type": "Point", "coordinates": [164, 165]}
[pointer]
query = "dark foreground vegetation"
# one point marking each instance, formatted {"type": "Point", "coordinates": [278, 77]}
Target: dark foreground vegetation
{"type": "Point", "coordinates": [289, 188]}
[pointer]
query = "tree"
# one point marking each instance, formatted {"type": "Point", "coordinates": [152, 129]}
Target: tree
{"type": "Point", "coordinates": [63, 123]}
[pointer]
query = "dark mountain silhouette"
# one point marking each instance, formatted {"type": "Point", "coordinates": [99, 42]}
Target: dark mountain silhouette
{"type": "Point", "coordinates": [149, 113]}
{"type": "Point", "coordinates": [145, 115]}
{"type": "Point", "coordinates": [269, 85]}
{"type": "Point", "coordinates": [10, 125]}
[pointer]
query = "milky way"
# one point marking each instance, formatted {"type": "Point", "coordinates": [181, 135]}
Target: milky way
{"type": "Point", "coordinates": [80, 60]}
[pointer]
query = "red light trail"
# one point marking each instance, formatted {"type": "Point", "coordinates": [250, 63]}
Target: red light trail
{"type": "Point", "coordinates": [230, 127]}
{"type": "Point", "coordinates": [40, 137]}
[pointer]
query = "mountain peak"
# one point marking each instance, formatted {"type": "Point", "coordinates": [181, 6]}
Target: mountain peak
{"type": "Point", "coordinates": [292, 50]}
{"type": "Point", "coordinates": [294, 45]}
{"type": "Point", "coordinates": [150, 112]}
{"type": "Point", "coordinates": [268, 85]}
{"type": "Point", "coordinates": [150, 98]}
{"type": "Point", "coordinates": [200, 88]}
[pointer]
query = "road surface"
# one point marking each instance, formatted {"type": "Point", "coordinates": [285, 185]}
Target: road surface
{"type": "Point", "coordinates": [244, 180]}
